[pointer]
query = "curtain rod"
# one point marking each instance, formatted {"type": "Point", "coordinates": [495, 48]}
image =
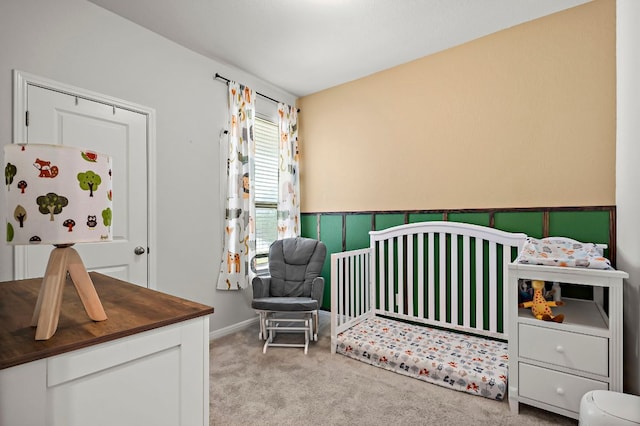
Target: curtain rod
{"type": "Point", "coordinates": [218, 76]}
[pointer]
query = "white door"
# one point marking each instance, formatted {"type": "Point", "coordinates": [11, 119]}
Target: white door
{"type": "Point", "coordinates": [62, 118]}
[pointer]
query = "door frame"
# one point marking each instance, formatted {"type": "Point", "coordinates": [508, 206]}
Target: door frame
{"type": "Point", "coordinates": [21, 80]}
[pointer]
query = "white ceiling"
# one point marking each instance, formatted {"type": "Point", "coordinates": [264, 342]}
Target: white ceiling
{"type": "Point", "coordinates": [304, 46]}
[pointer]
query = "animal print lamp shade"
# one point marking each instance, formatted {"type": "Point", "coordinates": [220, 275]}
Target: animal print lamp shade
{"type": "Point", "coordinates": [57, 195]}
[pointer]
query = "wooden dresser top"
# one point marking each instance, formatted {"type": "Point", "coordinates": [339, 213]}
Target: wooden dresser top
{"type": "Point", "coordinates": [130, 309]}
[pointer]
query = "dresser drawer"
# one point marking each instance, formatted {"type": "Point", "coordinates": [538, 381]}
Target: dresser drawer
{"type": "Point", "coordinates": [572, 350]}
{"type": "Point", "coordinates": [555, 388]}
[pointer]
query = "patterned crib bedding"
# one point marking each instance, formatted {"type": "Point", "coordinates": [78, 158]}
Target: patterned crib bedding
{"type": "Point", "coordinates": [465, 363]}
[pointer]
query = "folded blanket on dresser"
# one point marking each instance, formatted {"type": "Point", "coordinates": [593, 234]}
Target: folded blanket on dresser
{"type": "Point", "coordinates": [560, 251]}
{"type": "Point", "coordinates": [458, 361]}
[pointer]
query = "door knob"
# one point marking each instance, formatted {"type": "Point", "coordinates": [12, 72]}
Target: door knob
{"type": "Point", "coordinates": [139, 250]}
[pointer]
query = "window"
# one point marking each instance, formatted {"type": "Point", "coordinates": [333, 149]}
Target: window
{"type": "Point", "coordinates": [266, 187]}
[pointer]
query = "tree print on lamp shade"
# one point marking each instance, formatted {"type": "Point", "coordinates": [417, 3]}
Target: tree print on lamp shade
{"type": "Point", "coordinates": [52, 190]}
{"type": "Point", "coordinates": [89, 180]}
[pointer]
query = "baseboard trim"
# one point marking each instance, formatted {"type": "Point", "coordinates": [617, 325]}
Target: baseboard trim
{"type": "Point", "coordinates": [216, 334]}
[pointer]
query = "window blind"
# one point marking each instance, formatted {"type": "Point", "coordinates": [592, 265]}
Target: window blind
{"type": "Point", "coordinates": [266, 184]}
{"type": "Point", "coordinates": [266, 161]}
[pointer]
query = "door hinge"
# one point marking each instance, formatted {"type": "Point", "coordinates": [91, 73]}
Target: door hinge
{"type": "Point", "coordinates": [26, 118]}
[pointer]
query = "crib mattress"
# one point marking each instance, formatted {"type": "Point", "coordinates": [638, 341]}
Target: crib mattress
{"type": "Point", "coordinates": [465, 363]}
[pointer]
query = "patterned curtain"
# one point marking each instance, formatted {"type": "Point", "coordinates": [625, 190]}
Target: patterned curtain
{"type": "Point", "coordinates": [288, 176]}
{"type": "Point", "coordinates": [239, 227]}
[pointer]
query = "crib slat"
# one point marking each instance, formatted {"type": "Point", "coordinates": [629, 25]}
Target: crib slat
{"type": "Point", "coordinates": [431, 280]}
{"type": "Point", "coordinates": [345, 289]}
{"type": "Point", "coordinates": [367, 287]}
{"type": "Point", "coordinates": [381, 274]}
{"type": "Point", "coordinates": [454, 279]}
{"type": "Point", "coordinates": [443, 276]}
{"type": "Point", "coordinates": [506, 259]}
{"type": "Point", "coordinates": [410, 274]}
{"type": "Point", "coordinates": [364, 267]}
{"type": "Point", "coordinates": [479, 283]}
{"type": "Point", "coordinates": [421, 275]}
{"type": "Point", "coordinates": [401, 265]}
{"type": "Point", "coordinates": [363, 289]}
{"type": "Point", "coordinates": [365, 280]}
{"type": "Point", "coordinates": [340, 279]}
{"type": "Point", "coordinates": [373, 266]}
{"type": "Point", "coordinates": [358, 282]}
{"type": "Point", "coordinates": [390, 271]}
{"type": "Point", "coordinates": [466, 280]}
{"type": "Point", "coordinates": [352, 287]}
{"type": "Point", "coordinates": [493, 287]}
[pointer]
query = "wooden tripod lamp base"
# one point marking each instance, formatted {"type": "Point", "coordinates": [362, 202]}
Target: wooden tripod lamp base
{"type": "Point", "coordinates": [64, 259]}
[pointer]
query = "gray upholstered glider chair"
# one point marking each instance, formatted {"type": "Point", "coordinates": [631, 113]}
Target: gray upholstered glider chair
{"type": "Point", "coordinates": [292, 294]}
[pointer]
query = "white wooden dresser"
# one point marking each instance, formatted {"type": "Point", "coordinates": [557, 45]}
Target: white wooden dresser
{"type": "Point", "coordinates": [551, 365]}
{"type": "Point", "coordinates": [147, 364]}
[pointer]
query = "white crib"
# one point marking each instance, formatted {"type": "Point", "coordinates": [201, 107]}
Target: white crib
{"type": "Point", "coordinates": [428, 300]}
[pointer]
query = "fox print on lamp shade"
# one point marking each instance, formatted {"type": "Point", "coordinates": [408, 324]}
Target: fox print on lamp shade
{"type": "Point", "coordinates": [58, 195]}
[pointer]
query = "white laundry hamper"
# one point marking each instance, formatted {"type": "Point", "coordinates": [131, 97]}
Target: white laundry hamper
{"type": "Point", "coordinates": [599, 408]}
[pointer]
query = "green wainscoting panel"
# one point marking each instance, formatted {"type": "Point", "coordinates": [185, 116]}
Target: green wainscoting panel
{"type": "Point", "coordinates": [331, 236]}
{"type": "Point", "coordinates": [358, 227]}
{"type": "Point", "coordinates": [424, 217]}
{"type": "Point", "coordinates": [531, 223]}
{"type": "Point", "coordinates": [388, 220]}
{"type": "Point", "coordinates": [584, 226]}
{"type": "Point", "coordinates": [308, 226]}
{"type": "Point", "coordinates": [473, 218]}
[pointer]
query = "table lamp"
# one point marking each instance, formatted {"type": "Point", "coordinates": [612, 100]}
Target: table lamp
{"type": "Point", "coordinates": [58, 195]}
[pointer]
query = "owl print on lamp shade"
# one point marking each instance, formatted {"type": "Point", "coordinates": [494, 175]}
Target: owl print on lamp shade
{"type": "Point", "coordinates": [58, 195]}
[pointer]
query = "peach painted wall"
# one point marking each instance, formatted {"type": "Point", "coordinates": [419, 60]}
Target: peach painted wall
{"type": "Point", "coordinates": [525, 117]}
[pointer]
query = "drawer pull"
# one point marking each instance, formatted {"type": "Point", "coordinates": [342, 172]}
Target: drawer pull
{"type": "Point", "coordinates": [560, 391]}
{"type": "Point", "coordinates": [560, 349]}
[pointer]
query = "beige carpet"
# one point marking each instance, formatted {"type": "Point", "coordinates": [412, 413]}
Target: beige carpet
{"type": "Point", "coordinates": [286, 387]}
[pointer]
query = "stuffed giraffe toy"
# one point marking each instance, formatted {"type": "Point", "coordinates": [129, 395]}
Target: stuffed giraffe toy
{"type": "Point", "coordinates": [540, 307]}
